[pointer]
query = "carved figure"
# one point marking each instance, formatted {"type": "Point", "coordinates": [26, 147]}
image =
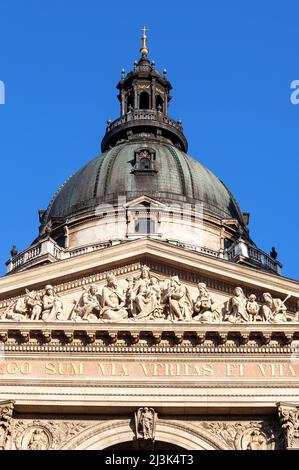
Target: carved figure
{"type": "Point", "coordinates": [17, 311]}
{"type": "Point", "coordinates": [252, 308]}
{"type": "Point", "coordinates": [88, 308]}
{"type": "Point", "coordinates": [179, 300]}
{"type": "Point", "coordinates": [38, 440]}
{"type": "Point", "coordinates": [237, 307]}
{"type": "Point", "coordinates": [144, 297]}
{"type": "Point", "coordinates": [257, 441]}
{"type": "Point", "coordinates": [113, 301]}
{"type": "Point", "coordinates": [34, 304]}
{"type": "Point", "coordinates": [205, 308]}
{"type": "Point", "coordinates": [274, 310]}
{"type": "Point", "coordinates": [145, 421]}
{"type": "Point", "coordinates": [52, 305]}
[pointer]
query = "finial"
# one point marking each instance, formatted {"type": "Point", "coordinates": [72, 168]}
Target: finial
{"type": "Point", "coordinates": [135, 64]}
{"type": "Point", "coordinates": [144, 50]}
{"type": "Point", "coordinates": [165, 73]}
{"type": "Point", "coordinates": [123, 73]}
{"type": "Point", "coordinates": [153, 64]}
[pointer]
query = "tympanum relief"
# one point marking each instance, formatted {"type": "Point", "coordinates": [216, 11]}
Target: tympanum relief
{"type": "Point", "coordinates": [146, 297]}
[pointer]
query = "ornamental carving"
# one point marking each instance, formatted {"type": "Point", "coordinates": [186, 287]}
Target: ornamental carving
{"type": "Point", "coordinates": [246, 435]}
{"type": "Point", "coordinates": [146, 297]}
{"type": "Point", "coordinates": [6, 411]}
{"type": "Point", "coordinates": [145, 423]}
{"type": "Point", "coordinates": [289, 419]}
{"type": "Point", "coordinates": [45, 435]}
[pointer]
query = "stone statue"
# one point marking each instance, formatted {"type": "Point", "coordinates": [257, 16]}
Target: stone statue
{"type": "Point", "coordinates": [6, 411]}
{"type": "Point", "coordinates": [88, 308]}
{"type": "Point", "coordinates": [52, 305]}
{"type": "Point", "coordinates": [237, 307]}
{"type": "Point", "coordinates": [205, 308]}
{"type": "Point", "coordinates": [252, 308]}
{"type": "Point", "coordinates": [274, 310]}
{"type": "Point", "coordinates": [145, 422]}
{"type": "Point", "coordinates": [179, 300]}
{"type": "Point", "coordinates": [144, 297]}
{"type": "Point", "coordinates": [38, 440]}
{"type": "Point", "coordinates": [113, 301]}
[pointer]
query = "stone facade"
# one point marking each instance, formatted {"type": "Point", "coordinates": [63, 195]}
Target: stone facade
{"type": "Point", "coordinates": [200, 368]}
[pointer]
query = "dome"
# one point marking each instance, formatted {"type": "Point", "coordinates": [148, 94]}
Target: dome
{"type": "Point", "coordinates": [175, 179]}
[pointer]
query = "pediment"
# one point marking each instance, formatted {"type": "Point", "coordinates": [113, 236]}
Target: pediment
{"type": "Point", "coordinates": [169, 269]}
{"type": "Point", "coordinates": [144, 201]}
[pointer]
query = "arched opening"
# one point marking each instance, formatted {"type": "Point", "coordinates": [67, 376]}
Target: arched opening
{"type": "Point", "coordinates": [111, 434]}
{"type": "Point", "coordinates": [145, 164]}
{"type": "Point", "coordinates": [155, 446]}
{"type": "Point", "coordinates": [144, 100]}
{"type": "Point", "coordinates": [159, 103]}
{"type": "Point", "coordinates": [130, 103]}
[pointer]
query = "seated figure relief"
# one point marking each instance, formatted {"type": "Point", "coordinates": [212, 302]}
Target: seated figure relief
{"type": "Point", "coordinates": [36, 306]}
{"type": "Point", "coordinates": [113, 301]}
{"type": "Point", "coordinates": [237, 307]}
{"type": "Point", "coordinates": [88, 307]}
{"type": "Point", "coordinates": [206, 309]}
{"type": "Point", "coordinates": [147, 298]}
{"type": "Point", "coordinates": [52, 306]}
{"type": "Point", "coordinates": [178, 300]}
{"type": "Point", "coordinates": [274, 310]}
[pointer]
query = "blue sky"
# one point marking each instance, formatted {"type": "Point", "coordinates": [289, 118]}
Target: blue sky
{"type": "Point", "coordinates": [230, 62]}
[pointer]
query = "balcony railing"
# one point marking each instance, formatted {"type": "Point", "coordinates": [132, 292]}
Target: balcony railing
{"type": "Point", "coordinates": [144, 114]}
{"type": "Point", "coordinates": [48, 251]}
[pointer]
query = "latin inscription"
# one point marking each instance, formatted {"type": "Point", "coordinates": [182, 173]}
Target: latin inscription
{"type": "Point", "coordinates": [180, 370]}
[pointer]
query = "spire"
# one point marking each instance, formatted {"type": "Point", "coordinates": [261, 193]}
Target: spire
{"type": "Point", "coordinates": [144, 49]}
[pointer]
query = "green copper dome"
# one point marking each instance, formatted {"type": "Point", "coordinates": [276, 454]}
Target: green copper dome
{"type": "Point", "coordinates": [175, 178]}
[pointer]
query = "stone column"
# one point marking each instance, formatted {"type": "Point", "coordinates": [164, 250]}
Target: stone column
{"type": "Point", "coordinates": [288, 414]}
{"type": "Point", "coordinates": [6, 411]}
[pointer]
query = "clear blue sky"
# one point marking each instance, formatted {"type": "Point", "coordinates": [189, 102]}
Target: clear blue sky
{"type": "Point", "coordinates": [230, 62]}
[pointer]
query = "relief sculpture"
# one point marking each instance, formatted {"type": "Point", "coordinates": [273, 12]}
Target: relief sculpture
{"type": "Point", "coordinates": [147, 298]}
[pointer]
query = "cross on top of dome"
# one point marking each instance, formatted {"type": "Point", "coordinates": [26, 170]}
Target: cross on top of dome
{"type": "Point", "coordinates": [144, 49]}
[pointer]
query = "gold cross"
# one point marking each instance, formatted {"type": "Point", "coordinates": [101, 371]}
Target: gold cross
{"type": "Point", "coordinates": [144, 30]}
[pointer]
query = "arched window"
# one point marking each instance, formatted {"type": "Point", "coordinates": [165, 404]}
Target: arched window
{"type": "Point", "coordinates": [144, 100]}
{"type": "Point", "coordinates": [159, 103]}
{"type": "Point", "coordinates": [130, 103]}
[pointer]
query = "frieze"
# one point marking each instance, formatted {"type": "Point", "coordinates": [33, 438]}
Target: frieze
{"type": "Point", "coordinates": [144, 298]}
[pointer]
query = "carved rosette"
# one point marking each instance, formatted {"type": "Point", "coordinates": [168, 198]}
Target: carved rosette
{"type": "Point", "coordinates": [289, 419]}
